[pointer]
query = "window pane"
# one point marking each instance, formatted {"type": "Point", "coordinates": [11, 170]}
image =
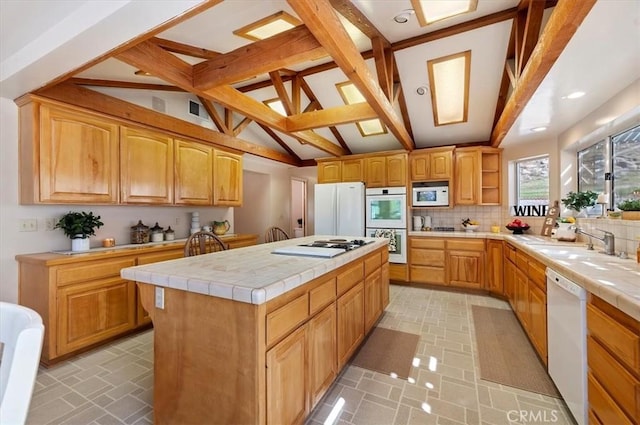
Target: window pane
{"type": "Point", "coordinates": [626, 165]}
{"type": "Point", "coordinates": [591, 168]}
{"type": "Point", "coordinates": [533, 181]}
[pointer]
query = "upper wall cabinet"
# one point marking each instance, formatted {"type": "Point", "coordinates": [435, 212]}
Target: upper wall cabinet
{"type": "Point", "coordinates": [478, 176]}
{"type": "Point", "coordinates": [330, 171]}
{"type": "Point", "coordinates": [353, 170]}
{"type": "Point", "coordinates": [386, 170]}
{"type": "Point", "coordinates": [67, 156]}
{"type": "Point", "coordinates": [194, 173]}
{"type": "Point", "coordinates": [431, 164]}
{"type": "Point", "coordinates": [146, 167]}
{"type": "Point", "coordinates": [227, 179]}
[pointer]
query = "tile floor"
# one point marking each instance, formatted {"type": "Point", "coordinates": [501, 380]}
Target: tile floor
{"type": "Point", "coordinates": [114, 384]}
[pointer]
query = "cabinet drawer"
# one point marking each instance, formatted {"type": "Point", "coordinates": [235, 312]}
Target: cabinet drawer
{"type": "Point", "coordinates": [510, 253]}
{"type": "Point", "coordinates": [522, 261]}
{"type": "Point", "coordinates": [371, 263]}
{"type": "Point", "coordinates": [424, 274]}
{"type": "Point", "coordinates": [92, 271]}
{"type": "Point", "coordinates": [322, 295]}
{"type": "Point", "coordinates": [350, 277]}
{"type": "Point", "coordinates": [287, 318]}
{"type": "Point", "coordinates": [427, 243]}
{"type": "Point", "coordinates": [161, 256]}
{"type": "Point", "coordinates": [427, 257]}
{"type": "Point", "coordinates": [536, 273]}
{"type": "Point", "coordinates": [618, 339]}
{"type": "Point", "coordinates": [614, 378]}
{"type": "Point", "coordinates": [466, 245]}
{"type": "Point", "coordinates": [603, 405]}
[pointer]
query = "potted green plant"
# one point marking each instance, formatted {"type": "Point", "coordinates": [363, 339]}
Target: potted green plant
{"type": "Point", "coordinates": [630, 209]}
{"type": "Point", "coordinates": [577, 201]}
{"type": "Point", "coordinates": [78, 226]}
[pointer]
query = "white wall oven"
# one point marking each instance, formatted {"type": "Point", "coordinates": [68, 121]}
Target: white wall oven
{"type": "Point", "coordinates": [386, 216]}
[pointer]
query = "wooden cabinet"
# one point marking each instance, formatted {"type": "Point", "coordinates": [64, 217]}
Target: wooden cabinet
{"type": "Point", "coordinates": [396, 170]}
{"type": "Point", "coordinates": [613, 353]}
{"type": "Point", "coordinates": [83, 301]}
{"type": "Point", "coordinates": [466, 268]}
{"type": "Point", "coordinates": [372, 299]}
{"type": "Point", "coordinates": [376, 171]}
{"type": "Point", "coordinates": [352, 170]}
{"type": "Point", "coordinates": [350, 323]}
{"type": "Point", "coordinates": [94, 311]}
{"type": "Point", "coordinates": [427, 260]}
{"type": "Point", "coordinates": [431, 164]}
{"type": "Point", "coordinates": [227, 179]}
{"type": "Point", "coordinates": [494, 279]}
{"type": "Point", "coordinates": [323, 364]}
{"type": "Point", "coordinates": [74, 159]}
{"type": "Point", "coordinates": [478, 176]}
{"type": "Point", "coordinates": [287, 379]}
{"type": "Point", "coordinates": [538, 320]}
{"type": "Point", "coordinates": [522, 298]}
{"type": "Point", "coordinates": [510, 274]}
{"type": "Point", "coordinates": [146, 167]}
{"type": "Point", "coordinates": [194, 173]}
{"type": "Point", "coordinates": [330, 171]}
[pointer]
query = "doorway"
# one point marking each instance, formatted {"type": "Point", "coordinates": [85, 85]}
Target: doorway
{"type": "Point", "coordinates": [298, 207]}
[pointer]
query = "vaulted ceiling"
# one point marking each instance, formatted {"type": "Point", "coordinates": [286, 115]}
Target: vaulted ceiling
{"type": "Point", "coordinates": [197, 56]}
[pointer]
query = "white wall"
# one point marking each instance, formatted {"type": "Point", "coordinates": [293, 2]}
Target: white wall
{"type": "Point", "coordinates": [117, 219]}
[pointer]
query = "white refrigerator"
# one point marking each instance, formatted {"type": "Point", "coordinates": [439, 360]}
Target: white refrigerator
{"type": "Point", "coordinates": [339, 209]}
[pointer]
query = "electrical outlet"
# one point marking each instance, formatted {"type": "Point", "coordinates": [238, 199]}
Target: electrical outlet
{"type": "Point", "coordinates": [177, 222]}
{"type": "Point", "coordinates": [160, 298]}
{"type": "Point", "coordinates": [49, 224]}
{"type": "Point", "coordinates": [28, 225]}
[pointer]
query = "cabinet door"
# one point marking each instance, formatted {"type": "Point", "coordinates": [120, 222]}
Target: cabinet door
{"type": "Point", "coordinates": [538, 320]}
{"type": "Point", "coordinates": [385, 286]}
{"type": "Point", "coordinates": [510, 282]}
{"type": "Point", "coordinates": [91, 312]}
{"type": "Point", "coordinates": [78, 158]}
{"type": "Point", "coordinates": [146, 167]}
{"type": "Point", "coordinates": [376, 171]}
{"type": "Point", "coordinates": [353, 170]}
{"type": "Point", "coordinates": [522, 298]}
{"type": "Point", "coordinates": [440, 165]}
{"type": "Point", "coordinates": [329, 172]}
{"type": "Point", "coordinates": [420, 166]}
{"type": "Point", "coordinates": [466, 268]}
{"type": "Point", "coordinates": [350, 322]}
{"type": "Point", "coordinates": [372, 299]}
{"type": "Point", "coordinates": [227, 179]}
{"type": "Point", "coordinates": [494, 280]}
{"type": "Point", "coordinates": [396, 170]}
{"type": "Point", "coordinates": [286, 380]}
{"type": "Point", "coordinates": [467, 177]}
{"type": "Point", "coordinates": [194, 173]}
{"type": "Point", "coordinates": [323, 363]}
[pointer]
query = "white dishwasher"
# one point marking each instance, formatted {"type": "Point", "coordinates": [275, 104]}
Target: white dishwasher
{"type": "Point", "coordinates": [567, 342]}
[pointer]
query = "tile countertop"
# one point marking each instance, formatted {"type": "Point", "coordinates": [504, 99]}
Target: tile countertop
{"type": "Point", "coordinates": [615, 280]}
{"type": "Point", "coordinates": [250, 274]}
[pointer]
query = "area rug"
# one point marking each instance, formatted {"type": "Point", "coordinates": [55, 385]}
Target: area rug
{"type": "Point", "coordinates": [506, 356]}
{"type": "Point", "coordinates": [388, 351]}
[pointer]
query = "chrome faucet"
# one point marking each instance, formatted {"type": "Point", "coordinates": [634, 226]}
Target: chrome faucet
{"type": "Point", "coordinates": [608, 239]}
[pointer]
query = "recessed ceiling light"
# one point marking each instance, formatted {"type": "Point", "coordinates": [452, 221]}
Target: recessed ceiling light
{"type": "Point", "coordinates": [538, 129]}
{"type": "Point", "coordinates": [576, 95]}
{"type": "Point", "coordinates": [404, 16]}
{"type": "Point", "coordinates": [142, 73]}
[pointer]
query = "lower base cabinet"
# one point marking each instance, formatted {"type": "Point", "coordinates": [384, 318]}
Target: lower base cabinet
{"type": "Point", "coordinates": [350, 317]}
{"type": "Point", "coordinates": [323, 363]}
{"type": "Point", "coordinates": [452, 262]}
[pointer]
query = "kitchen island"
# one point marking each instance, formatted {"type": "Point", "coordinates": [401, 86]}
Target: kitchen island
{"type": "Point", "coordinates": [251, 337]}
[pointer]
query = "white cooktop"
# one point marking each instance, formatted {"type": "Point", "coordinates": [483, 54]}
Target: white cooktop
{"type": "Point", "coordinates": [309, 251]}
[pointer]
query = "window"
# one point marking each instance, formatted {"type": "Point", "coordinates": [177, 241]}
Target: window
{"type": "Point", "coordinates": [618, 155]}
{"type": "Point", "coordinates": [532, 181]}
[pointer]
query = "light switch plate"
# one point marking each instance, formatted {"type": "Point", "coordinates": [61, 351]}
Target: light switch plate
{"type": "Point", "coordinates": [160, 298]}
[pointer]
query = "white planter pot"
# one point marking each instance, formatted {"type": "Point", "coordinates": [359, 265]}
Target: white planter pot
{"type": "Point", "coordinates": [79, 244]}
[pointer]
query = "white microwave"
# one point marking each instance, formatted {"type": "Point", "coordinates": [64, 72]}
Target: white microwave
{"type": "Point", "coordinates": [430, 195]}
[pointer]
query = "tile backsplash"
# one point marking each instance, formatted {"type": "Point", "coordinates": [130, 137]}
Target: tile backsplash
{"type": "Point", "coordinates": [627, 232]}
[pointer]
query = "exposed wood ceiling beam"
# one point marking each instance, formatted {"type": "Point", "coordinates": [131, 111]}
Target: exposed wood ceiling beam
{"type": "Point", "coordinates": [91, 100]}
{"type": "Point", "coordinates": [329, 117]}
{"type": "Point", "coordinates": [215, 116]}
{"type": "Point", "coordinates": [276, 80]}
{"type": "Point", "coordinates": [241, 126]}
{"type": "Point", "coordinates": [280, 51]}
{"type": "Point", "coordinates": [381, 56]}
{"type": "Point", "coordinates": [123, 84]}
{"type": "Point", "coordinates": [324, 24]}
{"type": "Point", "coordinates": [279, 141]}
{"type": "Point", "coordinates": [533, 23]}
{"type": "Point", "coordinates": [358, 19]}
{"type": "Point", "coordinates": [152, 58]}
{"type": "Point", "coordinates": [184, 49]}
{"type": "Point", "coordinates": [563, 23]}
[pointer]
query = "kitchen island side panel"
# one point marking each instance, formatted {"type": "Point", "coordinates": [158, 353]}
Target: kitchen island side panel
{"type": "Point", "coordinates": [208, 358]}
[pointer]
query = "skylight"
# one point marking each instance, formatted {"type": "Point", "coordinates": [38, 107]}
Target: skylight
{"type": "Point", "coordinates": [351, 95]}
{"type": "Point", "coordinates": [268, 27]}
{"type": "Point", "coordinates": [449, 81]}
{"type": "Point", "coordinates": [430, 11]}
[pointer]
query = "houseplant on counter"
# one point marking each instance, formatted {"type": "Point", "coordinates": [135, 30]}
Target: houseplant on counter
{"type": "Point", "coordinates": [630, 209]}
{"type": "Point", "coordinates": [578, 201]}
{"type": "Point", "coordinates": [78, 226]}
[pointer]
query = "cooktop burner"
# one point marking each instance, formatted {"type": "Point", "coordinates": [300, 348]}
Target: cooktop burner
{"type": "Point", "coordinates": [338, 243]}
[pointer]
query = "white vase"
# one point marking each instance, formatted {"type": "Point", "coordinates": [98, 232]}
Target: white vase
{"type": "Point", "coordinates": [80, 244]}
